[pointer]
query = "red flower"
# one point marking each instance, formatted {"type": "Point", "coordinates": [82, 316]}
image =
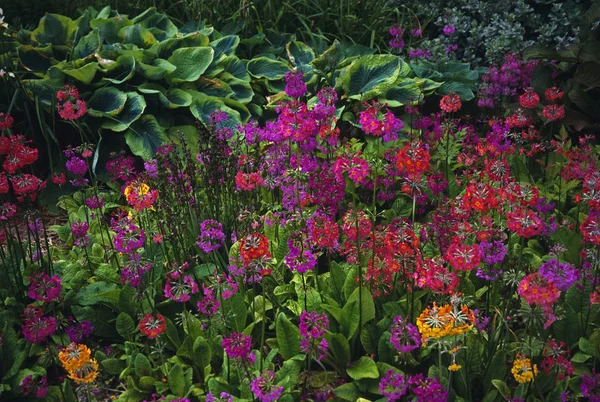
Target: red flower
{"type": "Point", "coordinates": [553, 112]}
{"type": "Point", "coordinates": [59, 179]}
{"type": "Point", "coordinates": [152, 326]}
{"type": "Point", "coordinates": [450, 103]}
{"type": "Point", "coordinates": [253, 246]}
{"type": "Point", "coordinates": [6, 121]}
{"type": "Point", "coordinates": [529, 99]}
{"type": "Point", "coordinates": [553, 94]}
{"type": "Point", "coordinates": [463, 257]}
{"type": "Point", "coordinates": [413, 158]}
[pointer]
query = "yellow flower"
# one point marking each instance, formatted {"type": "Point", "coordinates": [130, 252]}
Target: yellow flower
{"type": "Point", "coordinates": [522, 370]}
{"type": "Point", "coordinates": [74, 356]}
{"type": "Point", "coordinates": [454, 367]}
{"type": "Point", "coordinates": [86, 373]}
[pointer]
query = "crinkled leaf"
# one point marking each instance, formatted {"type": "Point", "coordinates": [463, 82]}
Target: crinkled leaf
{"type": "Point", "coordinates": [88, 45]}
{"type": "Point", "coordinates": [107, 101]}
{"type": "Point", "coordinates": [263, 67]}
{"type": "Point", "coordinates": [371, 76]}
{"type": "Point", "coordinates": [134, 107]}
{"type": "Point", "coordinates": [190, 63]}
{"type": "Point", "coordinates": [145, 136]}
{"type": "Point", "coordinates": [364, 367]}
{"type": "Point", "coordinates": [288, 337]}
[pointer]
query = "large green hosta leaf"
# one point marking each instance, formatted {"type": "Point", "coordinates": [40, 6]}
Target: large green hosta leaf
{"type": "Point", "coordinates": [88, 45]}
{"type": "Point", "coordinates": [145, 136]}
{"type": "Point", "coordinates": [190, 63]}
{"type": "Point", "coordinates": [55, 29]}
{"type": "Point", "coordinates": [405, 92]}
{"type": "Point", "coordinates": [134, 107]}
{"type": "Point", "coordinates": [155, 71]}
{"type": "Point", "coordinates": [120, 70]}
{"type": "Point", "coordinates": [84, 74]}
{"type": "Point", "coordinates": [35, 58]}
{"type": "Point", "coordinates": [137, 35]}
{"type": "Point", "coordinates": [300, 53]}
{"type": "Point", "coordinates": [263, 67]}
{"type": "Point", "coordinates": [371, 76]}
{"type": "Point", "coordinates": [153, 20]}
{"type": "Point", "coordinates": [203, 106]}
{"type": "Point", "coordinates": [107, 101]}
{"type": "Point", "coordinates": [110, 27]}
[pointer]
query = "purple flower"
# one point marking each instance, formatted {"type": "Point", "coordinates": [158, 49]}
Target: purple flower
{"type": "Point", "coordinates": [94, 202]}
{"type": "Point", "coordinates": [416, 53]}
{"type": "Point", "coordinates": [223, 397]}
{"type": "Point", "coordinates": [590, 386]}
{"type": "Point", "coordinates": [77, 166]}
{"type": "Point", "coordinates": [427, 389]}
{"type": "Point", "coordinates": [44, 288]}
{"type": "Point", "coordinates": [209, 305]}
{"type": "Point", "coordinates": [393, 386]}
{"type": "Point", "coordinates": [152, 168]}
{"type": "Point", "coordinates": [34, 386]}
{"type": "Point", "coordinates": [180, 288]}
{"type": "Point", "coordinates": [492, 253]}
{"type": "Point", "coordinates": [563, 274]}
{"type": "Point", "coordinates": [239, 346]}
{"type": "Point", "coordinates": [449, 30]}
{"type": "Point", "coordinates": [132, 272]}
{"type": "Point", "coordinates": [312, 327]}
{"type": "Point", "coordinates": [264, 387]}
{"type": "Point", "coordinates": [79, 332]}
{"type": "Point", "coordinates": [294, 84]}
{"type": "Point", "coordinates": [211, 236]}
{"type": "Point", "coordinates": [485, 103]}
{"type": "Point", "coordinates": [405, 336]}
{"type": "Point", "coordinates": [396, 30]}
{"type": "Point", "coordinates": [79, 229]}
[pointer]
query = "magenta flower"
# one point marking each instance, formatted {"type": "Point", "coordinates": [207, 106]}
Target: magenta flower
{"type": "Point", "coordinates": [393, 386]}
{"type": "Point", "coordinates": [405, 337]}
{"type": "Point", "coordinates": [264, 387]}
{"type": "Point", "coordinates": [294, 84]}
{"type": "Point", "coordinates": [239, 346]}
{"type": "Point", "coordinates": [44, 288]}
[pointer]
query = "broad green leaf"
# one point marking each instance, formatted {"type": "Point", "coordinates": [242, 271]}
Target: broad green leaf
{"type": "Point", "coordinates": [235, 307]}
{"type": "Point", "coordinates": [55, 29]}
{"type": "Point", "coordinates": [203, 106]}
{"type": "Point", "coordinates": [34, 60]}
{"type": "Point", "coordinates": [133, 110]}
{"type": "Point", "coordinates": [299, 53]}
{"type": "Point", "coordinates": [405, 92]}
{"type": "Point", "coordinates": [137, 35]}
{"type": "Point", "coordinates": [463, 90]}
{"type": "Point", "coordinates": [225, 46]}
{"type": "Point", "coordinates": [368, 305]}
{"type": "Point", "coordinates": [113, 366]}
{"type": "Point", "coordinates": [350, 319]}
{"type": "Point", "coordinates": [202, 353]}
{"type": "Point", "coordinates": [190, 63]}
{"type": "Point", "coordinates": [347, 392]}
{"type": "Point", "coordinates": [503, 388]}
{"type": "Point", "coordinates": [496, 370]}
{"type": "Point", "coordinates": [83, 74]}
{"type": "Point", "coordinates": [107, 101]}
{"type": "Point", "coordinates": [263, 67]}
{"type": "Point", "coordinates": [364, 367]}
{"type": "Point", "coordinates": [121, 70]}
{"type": "Point", "coordinates": [88, 45]}
{"type": "Point", "coordinates": [288, 337]}
{"type": "Point", "coordinates": [110, 27]}
{"type": "Point", "coordinates": [176, 98]}
{"type": "Point", "coordinates": [371, 76]}
{"type": "Point", "coordinates": [176, 380]}
{"type": "Point", "coordinates": [340, 348]}
{"type": "Point", "coordinates": [125, 326]}
{"type": "Point", "coordinates": [142, 365]}
{"type": "Point", "coordinates": [144, 137]}
{"type": "Point", "coordinates": [155, 71]}
{"type": "Point", "coordinates": [157, 21]}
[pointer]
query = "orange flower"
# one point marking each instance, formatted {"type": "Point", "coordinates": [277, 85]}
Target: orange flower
{"type": "Point", "coordinates": [74, 356]}
{"type": "Point", "coordinates": [85, 374]}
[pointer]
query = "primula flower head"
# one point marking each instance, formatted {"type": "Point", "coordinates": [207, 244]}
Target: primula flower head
{"type": "Point", "coordinates": [522, 369]}
{"type": "Point", "coordinates": [152, 325]}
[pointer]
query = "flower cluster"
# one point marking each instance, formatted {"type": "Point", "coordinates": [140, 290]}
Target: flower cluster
{"type": "Point", "coordinates": [312, 329]}
{"type": "Point", "coordinates": [70, 107]}
{"type": "Point", "coordinates": [44, 287]}
{"type": "Point", "coordinates": [35, 326]}
{"type": "Point", "coordinates": [239, 347]}
{"type": "Point", "coordinates": [437, 322]}
{"type": "Point", "coordinates": [264, 388]}
{"type": "Point", "coordinates": [522, 369]}
{"type": "Point", "coordinates": [405, 337]}
{"type": "Point", "coordinates": [152, 325]}
{"type": "Point", "coordinates": [76, 359]}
